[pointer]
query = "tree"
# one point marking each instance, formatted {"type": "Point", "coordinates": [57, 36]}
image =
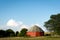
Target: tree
{"type": "Point", "coordinates": [53, 24]}
{"type": "Point", "coordinates": [17, 33]}
{"type": "Point", "coordinates": [23, 32]}
{"type": "Point", "coordinates": [10, 33]}
{"type": "Point", "coordinates": [2, 33]}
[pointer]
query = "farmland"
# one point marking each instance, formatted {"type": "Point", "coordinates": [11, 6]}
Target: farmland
{"type": "Point", "coordinates": [31, 38]}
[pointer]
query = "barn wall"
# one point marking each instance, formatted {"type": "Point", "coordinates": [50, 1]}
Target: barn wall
{"type": "Point", "coordinates": [31, 33]}
{"type": "Point", "coordinates": [34, 34]}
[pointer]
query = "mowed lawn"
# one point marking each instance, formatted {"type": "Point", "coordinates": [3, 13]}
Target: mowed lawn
{"type": "Point", "coordinates": [31, 38]}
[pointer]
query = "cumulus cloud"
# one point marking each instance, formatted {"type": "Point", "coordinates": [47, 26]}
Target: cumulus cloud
{"type": "Point", "coordinates": [12, 23]}
{"type": "Point", "coordinates": [24, 26]}
{"type": "Point", "coordinates": [16, 25]}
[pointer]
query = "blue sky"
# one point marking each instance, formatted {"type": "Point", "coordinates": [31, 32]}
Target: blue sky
{"type": "Point", "coordinates": [27, 11]}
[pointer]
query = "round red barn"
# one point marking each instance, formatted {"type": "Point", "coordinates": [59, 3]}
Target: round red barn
{"type": "Point", "coordinates": [35, 31]}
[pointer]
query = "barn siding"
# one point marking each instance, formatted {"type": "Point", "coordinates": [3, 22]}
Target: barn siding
{"type": "Point", "coordinates": [34, 34]}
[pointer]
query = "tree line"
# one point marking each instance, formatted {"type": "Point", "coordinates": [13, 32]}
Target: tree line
{"type": "Point", "coordinates": [11, 33]}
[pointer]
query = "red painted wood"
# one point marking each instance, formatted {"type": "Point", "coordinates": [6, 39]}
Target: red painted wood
{"type": "Point", "coordinates": [34, 34]}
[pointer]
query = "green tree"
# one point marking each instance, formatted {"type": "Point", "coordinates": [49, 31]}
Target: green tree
{"type": "Point", "coordinates": [23, 32]}
{"type": "Point", "coordinates": [53, 24]}
{"type": "Point", "coordinates": [17, 33]}
{"type": "Point", "coordinates": [2, 33]}
{"type": "Point", "coordinates": [10, 33]}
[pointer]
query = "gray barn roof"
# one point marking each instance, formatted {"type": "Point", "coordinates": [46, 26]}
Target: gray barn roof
{"type": "Point", "coordinates": [35, 28]}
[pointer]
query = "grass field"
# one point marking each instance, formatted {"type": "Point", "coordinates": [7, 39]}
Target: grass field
{"type": "Point", "coordinates": [31, 38]}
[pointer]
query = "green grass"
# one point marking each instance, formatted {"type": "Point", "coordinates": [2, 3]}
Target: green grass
{"type": "Point", "coordinates": [31, 38]}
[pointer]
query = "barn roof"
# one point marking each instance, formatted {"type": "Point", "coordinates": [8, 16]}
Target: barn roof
{"type": "Point", "coordinates": [35, 28]}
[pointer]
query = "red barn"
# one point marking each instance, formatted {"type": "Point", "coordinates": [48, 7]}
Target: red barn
{"type": "Point", "coordinates": [35, 31]}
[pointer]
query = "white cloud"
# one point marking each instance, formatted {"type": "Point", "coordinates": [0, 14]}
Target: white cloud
{"type": "Point", "coordinates": [24, 26]}
{"type": "Point", "coordinates": [12, 23]}
{"type": "Point", "coordinates": [16, 25]}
